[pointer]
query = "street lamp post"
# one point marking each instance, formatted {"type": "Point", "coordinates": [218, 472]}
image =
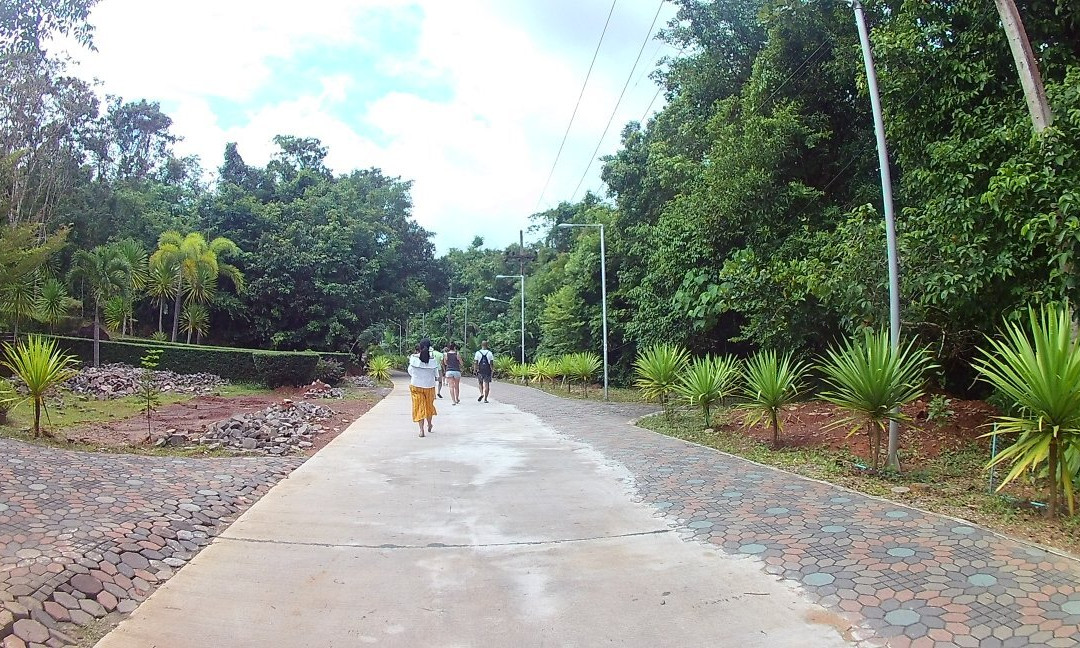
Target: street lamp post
{"type": "Point", "coordinates": [423, 323]}
{"type": "Point", "coordinates": [520, 277]}
{"type": "Point", "coordinates": [398, 335]}
{"type": "Point", "coordinates": [465, 329]}
{"type": "Point", "coordinates": [603, 293]}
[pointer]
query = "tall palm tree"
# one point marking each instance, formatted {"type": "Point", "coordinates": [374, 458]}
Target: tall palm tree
{"type": "Point", "coordinates": [197, 266]}
{"type": "Point", "coordinates": [161, 283]}
{"type": "Point", "coordinates": [19, 299]}
{"type": "Point", "coordinates": [134, 255]}
{"type": "Point", "coordinates": [105, 273]}
{"type": "Point", "coordinates": [53, 302]}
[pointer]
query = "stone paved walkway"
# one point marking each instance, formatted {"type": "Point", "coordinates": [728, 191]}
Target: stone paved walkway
{"type": "Point", "coordinates": [86, 534]}
{"type": "Point", "coordinates": [906, 577]}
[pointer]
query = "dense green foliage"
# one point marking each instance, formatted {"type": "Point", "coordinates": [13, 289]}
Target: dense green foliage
{"type": "Point", "coordinates": [285, 369]}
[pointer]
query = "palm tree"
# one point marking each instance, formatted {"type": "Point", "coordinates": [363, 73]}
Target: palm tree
{"type": "Point", "coordinates": [41, 366]}
{"type": "Point", "coordinates": [195, 319]}
{"type": "Point", "coordinates": [161, 283]}
{"type": "Point", "coordinates": [19, 299]}
{"type": "Point", "coordinates": [134, 255]}
{"type": "Point", "coordinates": [772, 381]}
{"type": "Point", "coordinates": [105, 273]}
{"type": "Point", "coordinates": [53, 302]}
{"type": "Point", "coordinates": [197, 267]}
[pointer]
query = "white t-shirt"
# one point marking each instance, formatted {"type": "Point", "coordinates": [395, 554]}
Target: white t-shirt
{"type": "Point", "coordinates": [423, 374]}
{"type": "Point", "coordinates": [483, 352]}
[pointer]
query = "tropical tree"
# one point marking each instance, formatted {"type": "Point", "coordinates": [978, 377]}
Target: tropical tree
{"type": "Point", "coordinates": [1039, 369]}
{"type": "Point", "coordinates": [161, 283]}
{"type": "Point", "coordinates": [657, 369]}
{"type": "Point", "coordinates": [40, 366]}
{"type": "Point", "coordinates": [53, 302]}
{"type": "Point", "coordinates": [772, 381]}
{"type": "Point", "coordinates": [134, 255]}
{"type": "Point", "coordinates": [105, 273]}
{"type": "Point", "coordinates": [706, 382]}
{"type": "Point", "coordinates": [19, 299]}
{"type": "Point", "coordinates": [195, 318]}
{"type": "Point", "coordinates": [197, 265]}
{"type": "Point", "coordinates": [871, 381]}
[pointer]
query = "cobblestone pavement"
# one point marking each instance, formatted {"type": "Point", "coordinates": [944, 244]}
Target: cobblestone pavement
{"type": "Point", "coordinates": [904, 578]}
{"type": "Point", "coordinates": [84, 535]}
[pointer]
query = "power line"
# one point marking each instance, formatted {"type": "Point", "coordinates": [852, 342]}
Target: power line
{"type": "Point", "coordinates": [621, 94]}
{"type": "Point", "coordinates": [576, 105]}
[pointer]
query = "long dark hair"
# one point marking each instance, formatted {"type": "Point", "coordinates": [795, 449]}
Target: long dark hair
{"type": "Point", "coordinates": [425, 350]}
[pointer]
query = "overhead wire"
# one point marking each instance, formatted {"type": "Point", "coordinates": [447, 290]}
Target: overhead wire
{"type": "Point", "coordinates": [576, 105]}
{"type": "Point", "coordinates": [626, 85]}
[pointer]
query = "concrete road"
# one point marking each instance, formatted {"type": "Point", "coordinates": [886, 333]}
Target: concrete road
{"type": "Point", "coordinates": [493, 531]}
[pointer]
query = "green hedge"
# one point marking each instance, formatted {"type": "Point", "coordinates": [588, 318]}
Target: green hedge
{"type": "Point", "coordinates": [230, 363]}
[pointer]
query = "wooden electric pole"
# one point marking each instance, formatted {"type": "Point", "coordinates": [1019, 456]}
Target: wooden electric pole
{"type": "Point", "coordinates": [1026, 65]}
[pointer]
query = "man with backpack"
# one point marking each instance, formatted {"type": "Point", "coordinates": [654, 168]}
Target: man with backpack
{"type": "Point", "coordinates": [485, 362]}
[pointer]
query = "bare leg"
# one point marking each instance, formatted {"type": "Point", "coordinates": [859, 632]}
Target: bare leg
{"type": "Point", "coordinates": [421, 422]}
{"type": "Point", "coordinates": [429, 425]}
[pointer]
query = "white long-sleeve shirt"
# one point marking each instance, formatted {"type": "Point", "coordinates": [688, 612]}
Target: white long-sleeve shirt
{"type": "Point", "coordinates": [422, 374]}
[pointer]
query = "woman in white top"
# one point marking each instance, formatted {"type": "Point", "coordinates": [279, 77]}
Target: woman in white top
{"type": "Point", "coordinates": [422, 369]}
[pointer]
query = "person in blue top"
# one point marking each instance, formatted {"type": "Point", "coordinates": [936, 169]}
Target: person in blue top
{"type": "Point", "coordinates": [485, 364]}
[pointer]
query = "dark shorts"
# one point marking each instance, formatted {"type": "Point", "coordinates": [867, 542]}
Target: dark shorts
{"type": "Point", "coordinates": [484, 377]}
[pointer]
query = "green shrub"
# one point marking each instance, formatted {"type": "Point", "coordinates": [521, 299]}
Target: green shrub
{"type": "Point", "coordinates": [379, 367]}
{"type": "Point", "coordinates": [329, 371]}
{"type": "Point", "coordinates": [278, 368]}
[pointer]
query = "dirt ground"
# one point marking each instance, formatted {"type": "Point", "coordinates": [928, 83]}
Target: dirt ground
{"type": "Point", "coordinates": [805, 425]}
{"type": "Point", "coordinates": [192, 417]}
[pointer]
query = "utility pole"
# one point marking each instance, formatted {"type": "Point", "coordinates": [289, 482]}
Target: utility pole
{"type": "Point", "coordinates": [893, 458]}
{"type": "Point", "coordinates": [1026, 65]}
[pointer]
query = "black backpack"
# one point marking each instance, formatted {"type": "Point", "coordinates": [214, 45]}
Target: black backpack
{"type": "Point", "coordinates": [483, 365]}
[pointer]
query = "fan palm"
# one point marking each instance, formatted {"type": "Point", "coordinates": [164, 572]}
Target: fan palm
{"type": "Point", "coordinates": [41, 366]}
{"type": "Point", "coordinates": [197, 265]}
{"type": "Point", "coordinates": [657, 369]}
{"type": "Point", "coordinates": [1040, 370]}
{"type": "Point", "coordinates": [19, 298]}
{"type": "Point", "coordinates": [872, 380]}
{"type": "Point", "coordinates": [772, 381]}
{"type": "Point", "coordinates": [161, 283]}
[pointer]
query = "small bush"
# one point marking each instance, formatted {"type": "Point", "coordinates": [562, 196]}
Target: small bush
{"type": "Point", "coordinates": [379, 367]}
{"type": "Point", "coordinates": [329, 371]}
{"type": "Point", "coordinates": [285, 369]}
{"type": "Point", "coordinates": [939, 409]}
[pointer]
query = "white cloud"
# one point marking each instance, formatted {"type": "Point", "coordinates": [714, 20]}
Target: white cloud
{"type": "Point", "coordinates": [478, 160]}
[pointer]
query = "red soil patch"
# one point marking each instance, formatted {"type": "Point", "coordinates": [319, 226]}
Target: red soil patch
{"type": "Point", "coordinates": [191, 417]}
{"type": "Point", "coordinates": [805, 425]}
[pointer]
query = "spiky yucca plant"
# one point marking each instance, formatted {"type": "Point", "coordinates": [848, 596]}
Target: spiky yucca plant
{"type": "Point", "coordinates": [657, 369]}
{"type": "Point", "coordinates": [706, 382]}
{"type": "Point", "coordinates": [872, 381]}
{"type": "Point", "coordinates": [583, 367]}
{"type": "Point", "coordinates": [379, 367]}
{"type": "Point", "coordinates": [41, 366]}
{"type": "Point", "coordinates": [1039, 368]}
{"type": "Point", "coordinates": [544, 370]}
{"type": "Point", "coordinates": [772, 381]}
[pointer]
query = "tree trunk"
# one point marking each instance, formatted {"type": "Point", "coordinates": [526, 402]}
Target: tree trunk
{"type": "Point", "coordinates": [37, 417]}
{"type": "Point", "coordinates": [176, 311]}
{"type": "Point", "coordinates": [189, 336]}
{"type": "Point", "coordinates": [1052, 509]}
{"type": "Point", "coordinates": [775, 430]}
{"type": "Point", "coordinates": [160, 313]}
{"type": "Point", "coordinates": [97, 336]}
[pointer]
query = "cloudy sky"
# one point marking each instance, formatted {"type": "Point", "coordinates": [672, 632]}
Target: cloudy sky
{"type": "Point", "coordinates": [468, 99]}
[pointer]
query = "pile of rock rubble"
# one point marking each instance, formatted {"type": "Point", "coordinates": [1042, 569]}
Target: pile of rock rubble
{"type": "Point", "coordinates": [319, 389]}
{"type": "Point", "coordinates": [277, 430]}
{"type": "Point", "coordinates": [117, 380]}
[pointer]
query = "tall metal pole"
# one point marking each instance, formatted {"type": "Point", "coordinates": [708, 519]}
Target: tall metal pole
{"type": "Point", "coordinates": [465, 331]}
{"type": "Point", "coordinates": [893, 459]}
{"type": "Point", "coordinates": [522, 319]}
{"type": "Point", "coordinates": [603, 308]}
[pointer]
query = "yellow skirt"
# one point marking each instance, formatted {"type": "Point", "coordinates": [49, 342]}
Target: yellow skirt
{"type": "Point", "coordinates": [423, 402]}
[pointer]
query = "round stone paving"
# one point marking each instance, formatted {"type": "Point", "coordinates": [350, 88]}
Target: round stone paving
{"type": "Point", "coordinates": [982, 580]}
{"type": "Point", "coordinates": [752, 548]}
{"type": "Point", "coordinates": [896, 515]}
{"type": "Point", "coordinates": [902, 617]}
{"type": "Point", "coordinates": [833, 528]}
{"type": "Point", "coordinates": [963, 530]}
{"type": "Point", "coordinates": [819, 579]}
{"type": "Point", "coordinates": [776, 510]}
{"type": "Point", "coordinates": [901, 552]}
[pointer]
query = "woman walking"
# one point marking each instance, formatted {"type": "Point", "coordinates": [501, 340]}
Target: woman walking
{"type": "Point", "coordinates": [452, 370]}
{"type": "Point", "coordinates": [422, 370]}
